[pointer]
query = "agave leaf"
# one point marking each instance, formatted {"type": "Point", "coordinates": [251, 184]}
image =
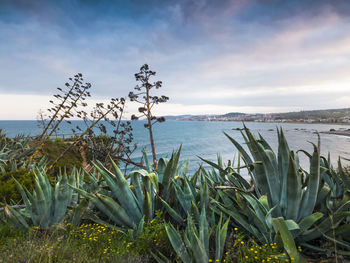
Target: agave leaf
{"type": "Point", "coordinates": [221, 233]}
{"type": "Point", "coordinates": [259, 222]}
{"type": "Point", "coordinates": [309, 201]}
{"type": "Point", "coordinates": [212, 164]}
{"type": "Point", "coordinates": [185, 169]}
{"type": "Point", "coordinates": [245, 156]}
{"type": "Point", "coordinates": [174, 214]}
{"type": "Point", "coordinates": [239, 148]}
{"type": "Point", "coordinates": [62, 196]}
{"type": "Point", "coordinates": [194, 178]}
{"type": "Point", "coordinates": [264, 201]}
{"type": "Point", "coordinates": [204, 196]}
{"type": "Point", "coordinates": [135, 181]}
{"type": "Point", "coordinates": [194, 211]}
{"type": "Point", "coordinates": [185, 196]}
{"type": "Point", "coordinates": [280, 226]}
{"type": "Point", "coordinates": [330, 222]}
{"type": "Point", "coordinates": [259, 170]}
{"type": "Point", "coordinates": [345, 177]}
{"type": "Point", "coordinates": [264, 143]}
{"type": "Point", "coordinates": [268, 217]}
{"type": "Point", "coordinates": [259, 210]}
{"type": "Point", "coordinates": [139, 228]}
{"type": "Point", "coordinates": [283, 163]}
{"type": "Point", "coordinates": [108, 206]}
{"type": "Point", "coordinates": [145, 157]}
{"type": "Point", "coordinates": [117, 211]}
{"type": "Point", "coordinates": [291, 224]}
{"type": "Point", "coordinates": [121, 190]}
{"type": "Point", "coordinates": [16, 218]}
{"type": "Point", "coordinates": [199, 251]}
{"type": "Point", "coordinates": [160, 258]}
{"type": "Point", "coordinates": [170, 172]}
{"type": "Point", "coordinates": [293, 190]}
{"type": "Point", "coordinates": [41, 214]}
{"type": "Point", "coordinates": [79, 212]}
{"type": "Point", "coordinates": [309, 221]}
{"type": "Point", "coordinates": [148, 206]}
{"type": "Point", "coordinates": [154, 180]}
{"type": "Point", "coordinates": [25, 198]}
{"type": "Point", "coordinates": [204, 231]}
{"type": "Point", "coordinates": [177, 243]}
{"type": "Point", "coordinates": [162, 163]}
{"type": "Point", "coordinates": [232, 212]}
{"type": "Point", "coordinates": [238, 180]}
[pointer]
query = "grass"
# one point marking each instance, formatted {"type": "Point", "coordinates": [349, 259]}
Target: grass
{"type": "Point", "coordinates": [92, 243]}
{"type": "Point", "coordinates": [62, 245]}
{"type": "Point", "coordinates": [241, 248]}
{"type": "Point", "coordinates": [88, 243]}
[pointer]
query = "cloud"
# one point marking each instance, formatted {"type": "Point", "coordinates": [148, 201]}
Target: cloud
{"type": "Point", "coordinates": [253, 54]}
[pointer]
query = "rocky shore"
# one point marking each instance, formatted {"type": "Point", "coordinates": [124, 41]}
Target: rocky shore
{"type": "Point", "coordinates": [343, 132]}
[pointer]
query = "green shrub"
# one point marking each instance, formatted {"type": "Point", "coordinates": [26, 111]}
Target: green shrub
{"type": "Point", "coordinates": [8, 188]}
{"type": "Point", "coordinates": [72, 158]}
{"type": "Point", "coordinates": [154, 238]}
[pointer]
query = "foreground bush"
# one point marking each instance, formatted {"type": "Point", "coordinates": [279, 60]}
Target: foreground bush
{"type": "Point", "coordinates": [8, 188]}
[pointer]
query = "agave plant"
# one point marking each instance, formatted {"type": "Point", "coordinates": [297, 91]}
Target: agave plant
{"type": "Point", "coordinates": [280, 189]}
{"type": "Point", "coordinates": [190, 211]}
{"type": "Point", "coordinates": [47, 205]}
{"type": "Point", "coordinates": [194, 245]}
{"type": "Point", "coordinates": [129, 200]}
{"type": "Point", "coordinates": [13, 151]}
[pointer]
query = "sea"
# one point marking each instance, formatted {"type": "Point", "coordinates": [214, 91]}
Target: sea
{"type": "Point", "coordinates": [206, 139]}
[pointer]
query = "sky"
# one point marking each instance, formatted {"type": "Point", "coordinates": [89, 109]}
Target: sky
{"type": "Point", "coordinates": [212, 56]}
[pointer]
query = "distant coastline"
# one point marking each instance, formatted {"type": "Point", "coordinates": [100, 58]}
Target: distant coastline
{"type": "Point", "coordinates": [297, 122]}
{"type": "Point", "coordinates": [331, 116]}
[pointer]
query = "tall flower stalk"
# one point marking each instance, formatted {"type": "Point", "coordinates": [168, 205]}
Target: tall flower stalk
{"type": "Point", "coordinates": [143, 96]}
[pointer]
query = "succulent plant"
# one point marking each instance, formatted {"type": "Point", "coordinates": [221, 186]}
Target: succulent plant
{"type": "Point", "coordinates": [47, 205]}
{"type": "Point", "coordinates": [192, 244]}
{"type": "Point", "coordinates": [13, 151]}
{"type": "Point", "coordinates": [281, 189]}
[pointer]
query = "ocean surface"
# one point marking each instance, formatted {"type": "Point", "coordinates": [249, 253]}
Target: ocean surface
{"type": "Point", "coordinates": [207, 140]}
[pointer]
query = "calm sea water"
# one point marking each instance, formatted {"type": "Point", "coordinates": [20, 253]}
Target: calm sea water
{"type": "Point", "coordinates": [206, 139]}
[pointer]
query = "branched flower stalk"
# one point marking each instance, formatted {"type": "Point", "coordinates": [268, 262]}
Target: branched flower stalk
{"type": "Point", "coordinates": [63, 108]}
{"type": "Point", "coordinates": [70, 104]}
{"type": "Point", "coordinates": [100, 112]}
{"type": "Point", "coordinates": [144, 97]}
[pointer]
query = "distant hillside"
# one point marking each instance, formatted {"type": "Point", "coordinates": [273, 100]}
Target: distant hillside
{"type": "Point", "coordinates": [178, 117]}
{"type": "Point", "coordinates": [205, 116]}
{"type": "Point", "coordinates": [233, 114]}
{"type": "Point", "coordinates": [331, 115]}
{"type": "Point", "coordinates": [314, 114]}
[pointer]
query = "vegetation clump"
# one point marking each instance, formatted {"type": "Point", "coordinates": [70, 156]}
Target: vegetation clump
{"type": "Point", "coordinates": [8, 188]}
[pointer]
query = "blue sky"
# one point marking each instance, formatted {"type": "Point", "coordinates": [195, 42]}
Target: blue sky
{"type": "Point", "coordinates": [212, 56]}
